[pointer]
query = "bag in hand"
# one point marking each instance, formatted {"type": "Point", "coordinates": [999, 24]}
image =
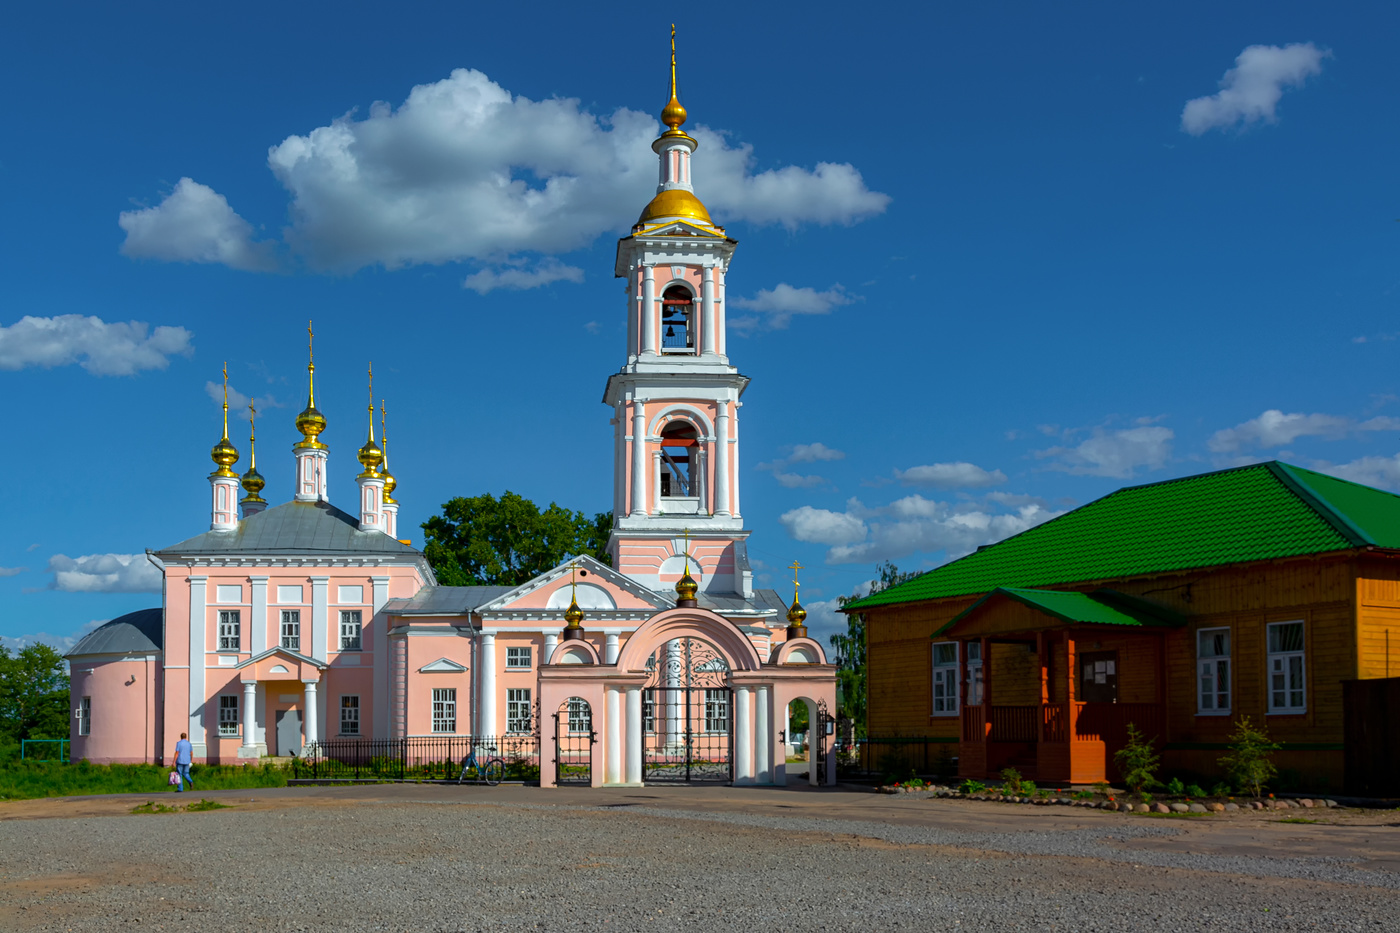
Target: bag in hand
{"type": "Point", "coordinates": [174, 779]}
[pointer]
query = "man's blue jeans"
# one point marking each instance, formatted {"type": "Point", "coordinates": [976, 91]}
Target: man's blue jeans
{"type": "Point", "coordinates": [184, 772]}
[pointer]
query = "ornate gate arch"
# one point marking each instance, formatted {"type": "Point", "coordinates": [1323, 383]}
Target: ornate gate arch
{"type": "Point", "coordinates": [687, 715]}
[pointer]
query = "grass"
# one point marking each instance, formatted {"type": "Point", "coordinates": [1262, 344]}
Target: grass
{"type": "Point", "coordinates": [24, 780]}
{"type": "Point", "coordinates": [1297, 819]}
{"type": "Point", "coordinates": [151, 806]}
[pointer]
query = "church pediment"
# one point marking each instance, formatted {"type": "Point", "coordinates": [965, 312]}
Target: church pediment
{"type": "Point", "coordinates": [442, 666]}
{"type": "Point", "coordinates": [597, 586]}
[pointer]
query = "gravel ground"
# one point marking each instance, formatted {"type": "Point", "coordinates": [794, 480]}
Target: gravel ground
{"type": "Point", "coordinates": [422, 866]}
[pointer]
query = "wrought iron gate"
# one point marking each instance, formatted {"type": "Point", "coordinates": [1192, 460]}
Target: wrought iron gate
{"type": "Point", "coordinates": [688, 716]}
{"type": "Point", "coordinates": [573, 743]}
{"type": "Point", "coordinates": [817, 741]}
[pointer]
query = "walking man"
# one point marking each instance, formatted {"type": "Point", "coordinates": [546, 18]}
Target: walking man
{"type": "Point", "coordinates": [184, 752]}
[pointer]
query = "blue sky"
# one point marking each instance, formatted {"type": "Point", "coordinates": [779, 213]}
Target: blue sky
{"type": "Point", "coordinates": [995, 260]}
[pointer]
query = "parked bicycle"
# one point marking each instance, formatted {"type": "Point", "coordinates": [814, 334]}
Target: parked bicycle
{"type": "Point", "coordinates": [489, 773]}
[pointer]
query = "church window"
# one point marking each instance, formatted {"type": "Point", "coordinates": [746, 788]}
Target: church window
{"type": "Point", "coordinates": [518, 711]}
{"type": "Point", "coordinates": [350, 630]}
{"type": "Point", "coordinates": [228, 715]}
{"type": "Point", "coordinates": [518, 659]}
{"type": "Point", "coordinates": [945, 678]}
{"type": "Point", "coordinates": [291, 629]}
{"type": "Point", "coordinates": [580, 716]}
{"type": "Point", "coordinates": [677, 320]}
{"type": "Point", "coordinates": [85, 716]}
{"type": "Point", "coordinates": [228, 629]}
{"type": "Point", "coordinates": [349, 715]}
{"type": "Point", "coordinates": [445, 709]}
{"type": "Point", "coordinates": [680, 447]}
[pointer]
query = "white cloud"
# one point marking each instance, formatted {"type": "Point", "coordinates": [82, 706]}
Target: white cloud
{"type": "Point", "coordinates": [104, 573]}
{"type": "Point", "coordinates": [1274, 429]}
{"type": "Point", "coordinates": [12, 571]}
{"type": "Point", "coordinates": [1250, 92]}
{"type": "Point", "coordinates": [463, 169]}
{"type": "Point", "coordinates": [824, 620]}
{"type": "Point", "coordinates": [776, 306]}
{"type": "Point", "coordinates": [547, 272]}
{"type": "Point", "coordinates": [908, 525]}
{"type": "Point", "coordinates": [950, 476]}
{"type": "Point", "coordinates": [801, 453]}
{"type": "Point", "coordinates": [1382, 472]}
{"type": "Point", "coordinates": [194, 224]}
{"type": "Point", "coordinates": [1114, 453]}
{"type": "Point", "coordinates": [812, 453]}
{"type": "Point", "coordinates": [116, 349]}
{"type": "Point", "coordinates": [238, 402]}
{"type": "Point", "coordinates": [798, 480]}
{"type": "Point", "coordinates": [60, 643]}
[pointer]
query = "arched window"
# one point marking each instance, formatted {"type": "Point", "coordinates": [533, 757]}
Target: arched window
{"type": "Point", "coordinates": [680, 447]}
{"type": "Point", "coordinates": [677, 320]}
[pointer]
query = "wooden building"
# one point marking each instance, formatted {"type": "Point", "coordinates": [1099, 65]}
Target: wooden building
{"type": "Point", "coordinates": [1176, 606]}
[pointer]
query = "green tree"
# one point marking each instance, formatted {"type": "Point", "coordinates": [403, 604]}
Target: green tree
{"type": "Point", "coordinates": [1248, 764]}
{"type": "Point", "coordinates": [485, 541]}
{"type": "Point", "coordinates": [33, 694]}
{"type": "Point", "coordinates": [850, 649]}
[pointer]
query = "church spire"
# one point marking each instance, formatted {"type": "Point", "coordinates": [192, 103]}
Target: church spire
{"type": "Point", "coordinates": [391, 505]}
{"type": "Point", "coordinates": [223, 482]}
{"type": "Point", "coordinates": [673, 114]}
{"type": "Point", "coordinates": [675, 199]}
{"type": "Point", "coordinates": [371, 481]}
{"type": "Point", "coordinates": [310, 452]}
{"type": "Point", "coordinates": [253, 481]}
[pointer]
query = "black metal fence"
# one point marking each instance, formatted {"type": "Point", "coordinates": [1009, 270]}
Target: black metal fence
{"type": "Point", "coordinates": [417, 758]}
{"type": "Point", "coordinates": [882, 756]}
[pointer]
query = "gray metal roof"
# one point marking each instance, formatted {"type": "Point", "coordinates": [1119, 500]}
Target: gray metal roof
{"type": "Point", "coordinates": [445, 600]}
{"type": "Point", "coordinates": [316, 529]}
{"type": "Point", "coordinates": [133, 633]}
{"type": "Point", "coordinates": [763, 601]}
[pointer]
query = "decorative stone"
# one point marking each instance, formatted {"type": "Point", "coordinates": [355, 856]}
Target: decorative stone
{"type": "Point", "coordinates": [1307, 803]}
{"type": "Point", "coordinates": [1330, 803]}
{"type": "Point", "coordinates": [1196, 808]}
{"type": "Point", "coordinates": [1217, 808]}
{"type": "Point", "coordinates": [1230, 807]}
{"type": "Point", "coordinates": [1160, 808]}
{"type": "Point", "coordinates": [1179, 808]}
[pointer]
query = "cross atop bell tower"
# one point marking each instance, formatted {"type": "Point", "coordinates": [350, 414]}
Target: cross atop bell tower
{"type": "Point", "coordinates": [676, 397]}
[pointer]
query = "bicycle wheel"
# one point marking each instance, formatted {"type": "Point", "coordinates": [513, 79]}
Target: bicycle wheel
{"type": "Point", "coordinates": [493, 772]}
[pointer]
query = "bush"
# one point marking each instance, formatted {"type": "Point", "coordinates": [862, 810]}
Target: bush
{"type": "Point", "coordinates": [1220, 789]}
{"type": "Point", "coordinates": [1194, 790]}
{"type": "Point", "coordinates": [895, 766]}
{"type": "Point", "coordinates": [1175, 788]}
{"type": "Point", "coordinates": [972, 787]}
{"type": "Point", "coordinates": [1137, 761]}
{"type": "Point", "coordinates": [1248, 764]}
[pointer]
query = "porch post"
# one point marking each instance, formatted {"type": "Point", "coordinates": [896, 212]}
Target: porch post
{"type": "Point", "coordinates": [250, 701]}
{"type": "Point", "coordinates": [612, 769]}
{"type": "Point", "coordinates": [743, 737]}
{"type": "Point", "coordinates": [763, 737]}
{"type": "Point", "coordinates": [1044, 684]}
{"type": "Point", "coordinates": [310, 734]}
{"type": "Point", "coordinates": [986, 690]}
{"type": "Point", "coordinates": [635, 735]}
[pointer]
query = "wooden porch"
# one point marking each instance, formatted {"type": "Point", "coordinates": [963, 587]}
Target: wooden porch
{"type": "Point", "coordinates": [1070, 743]}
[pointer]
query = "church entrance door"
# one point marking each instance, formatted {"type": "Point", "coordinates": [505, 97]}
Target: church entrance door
{"type": "Point", "coordinates": [687, 715]}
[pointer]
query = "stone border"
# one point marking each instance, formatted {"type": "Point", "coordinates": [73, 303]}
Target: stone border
{"type": "Point", "coordinates": [1126, 806]}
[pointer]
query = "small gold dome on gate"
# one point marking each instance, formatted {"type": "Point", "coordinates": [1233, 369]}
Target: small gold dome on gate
{"type": "Point", "coordinates": [796, 615]}
{"type": "Point", "coordinates": [573, 615]}
{"type": "Point", "coordinates": [686, 587]}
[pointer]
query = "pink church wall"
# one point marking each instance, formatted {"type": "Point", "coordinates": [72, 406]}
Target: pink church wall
{"type": "Point", "coordinates": [126, 716]}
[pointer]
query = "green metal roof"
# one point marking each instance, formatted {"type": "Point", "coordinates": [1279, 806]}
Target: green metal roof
{"type": "Point", "coordinates": [1257, 512]}
{"type": "Point", "coordinates": [1103, 607]}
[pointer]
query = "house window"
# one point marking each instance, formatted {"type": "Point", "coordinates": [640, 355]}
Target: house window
{"type": "Point", "coordinates": [350, 630]}
{"type": "Point", "coordinates": [945, 678]}
{"type": "Point", "coordinates": [518, 659]}
{"type": "Point", "coordinates": [291, 629]}
{"type": "Point", "coordinates": [1213, 671]}
{"type": "Point", "coordinates": [680, 447]}
{"type": "Point", "coordinates": [228, 715]}
{"type": "Point", "coordinates": [518, 711]}
{"type": "Point", "coordinates": [445, 709]}
{"type": "Point", "coordinates": [716, 710]}
{"type": "Point", "coordinates": [677, 320]}
{"type": "Point", "coordinates": [580, 716]}
{"type": "Point", "coordinates": [1286, 669]}
{"type": "Point", "coordinates": [974, 673]}
{"type": "Point", "coordinates": [228, 629]}
{"type": "Point", "coordinates": [85, 716]}
{"type": "Point", "coordinates": [349, 715]}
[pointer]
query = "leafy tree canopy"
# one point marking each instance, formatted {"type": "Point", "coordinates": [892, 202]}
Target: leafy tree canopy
{"type": "Point", "coordinates": [33, 694]}
{"type": "Point", "coordinates": [485, 541]}
{"type": "Point", "coordinates": [850, 648]}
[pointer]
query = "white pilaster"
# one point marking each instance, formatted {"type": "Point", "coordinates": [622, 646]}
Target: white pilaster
{"type": "Point", "coordinates": [743, 736]}
{"type": "Point", "coordinates": [199, 622]}
{"type": "Point", "coordinates": [639, 457]}
{"type": "Point", "coordinates": [707, 310]}
{"type": "Point", "coordinates": [721, 345]}
{"type": "Point", "coordinates": [722, 460]}
{"type": "Point", "coordinates": [649, 322]}
{"type": "Point", "coordinates": [551, 640]}
{"type": "Point", "coordinates": [311, 734]}
{"type": "Point", "coordinates": [486, 667]}
{"type": "Point", "coordinates": [371, 501]}
{"type": "Point", "coordinates": [612, 768]}
{"type": "Point", "coordinates": [250, 707]}
{"type": "Point", "coordinates": [634, 736]}
{"type": "Point", "coordinates": [311, 474]}
{"type": "Point", "coordinates": [391, 520]}
{"type": "Point", "coordinates": [259, 623]}
{"type": "Point", "coordinates": [656, 481]}
{"type": "Point", "coordinates": [634, 319]}
{"type": "Point", "coordinates": [610, 648]}
{"type": "Point", "coordinates": [383, 670]}
{"type": "Point", "coordinates": [734, 460]}
{"type": "Point", "coordinates": [320, 618]}
{"type": "Point", "coordinates": [763, 735]}
{"type": "Point", "coordinates": [224, 492]}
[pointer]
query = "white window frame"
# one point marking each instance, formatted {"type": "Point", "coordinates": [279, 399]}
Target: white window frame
{"type": "Point", "coordinates": [974, 673]}
{"type": "Point", "coordinates": [517, 711]}
{"type": "Point", "coordinates": [717, 710]}
{"type": "Point", "coordinates": [85, 716]}
{"type": "Point", "coordinates": [349, 714]}
{"type": "Point", "coordinates": [945, 680]}
{"type": "Point", "coordinates": [351, 630]}
{"type": "Point", "coordinates": [228, 716]}
{"type": "Point", "coordinates": [230, 626]}
{"type": "Point", "coordinates": [1213, 673]}
{"type": "Point", "coordinates": [1280, 668]}
{"type": "Point", "coordinates": [519, 658]}
{"type": "Point", "coordinates": [289, 634]}
{"type": "Point", "coordinates": [649, 712]}
{"type": "Point", "coordinates": [444, 710]}
{"type": "Point", "coordinates": [580, 716]}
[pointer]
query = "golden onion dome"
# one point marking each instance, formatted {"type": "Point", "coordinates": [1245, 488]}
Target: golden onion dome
{"type": "Point", "coordinates": [311, 423]}
{"type": "Point", "coordinates": [390, 484]}
{"type": "Point", "coordinates": [796, 615]}
{"type": "Point", "coordinates": [225, 455]}
{"type": "Point", "coordinates": [370, 457]}
{"type": "Point", "coordinates": [686, 587]}
{"type": "Point", "coordinates": [675, 202]}
{"type": "Point", "coordinates": [673, 115]}
{"type": "Point", "coordinates": [573, 615]}
{"type": "Point", "coordinates": [253, 484]}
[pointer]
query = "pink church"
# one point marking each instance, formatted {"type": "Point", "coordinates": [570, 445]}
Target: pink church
{"type": "Point", "coordinates": [305, 630]}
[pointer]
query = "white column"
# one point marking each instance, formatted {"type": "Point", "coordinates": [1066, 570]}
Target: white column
{"type": "Point", "coordinates": [743, 736]}
{"type": "Point", "coordinates": [639, 457]}
{"type": "Point", "coordinates": [634, 735]}
{"type": "Point", "coordinates": [720, 340]}
{"type": "Point", "coordinates": [707, 309]}
{"type": "Point", "coordinates": [656, 481]}
{"type": "Point", "coordinates": [383, 670]}
{"type": "Point", "coordinates": [610, 648]}
{"type": "Point", "coordinates": [648, 312]}
{"type": "Point", "coordinates": [763, 736]}
{"type": "Point", "coordinates": [320, 617]}
{"type": "Point", "coordinates": [675, 724]}
{"type": "Point", "coordinates": [258, 624]}
{"type": "Point", "coordinates": [612, 768]}
{"type": "Point", "coordinates": [199, 623]}
{"type": "Point", "coordinates": [551, 641]}
{"type": "Point", "coordinates": [250, 706]}
{"type": "Point", "coordinates": [486, 667]}
{"type": "Point", "coordinates": [310, 733]}
{"type": "Point", "coordinates": [735, 509]}
{"type": "Point", "coordinates": [371, 502]}
{"type": "Point", "coordinates": [722, 459]}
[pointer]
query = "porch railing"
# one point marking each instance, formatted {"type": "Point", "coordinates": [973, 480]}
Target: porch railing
{"type": "Point", "coordinates": [1059, 722]}
{"type": "Point", "coordinates": [416, 758]}
{"type": "Point", "coordinates": [1015, 724]}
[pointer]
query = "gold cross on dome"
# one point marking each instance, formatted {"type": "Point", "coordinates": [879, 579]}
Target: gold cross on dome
{"type": "Point", "coordinates": [310, 342]}
{"type": "Point", "coordinates": [686, 537]}
{"type": "Point", "coordinates": [794, 567]}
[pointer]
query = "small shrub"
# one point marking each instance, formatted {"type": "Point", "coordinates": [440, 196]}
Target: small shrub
{"type": "Point", "coordinates": [896, 766]}
{"type": "Point", "coordinates": [1137, 761]}
{"type": "Point", "coordinates": [1101, 788]}
{"type": "Point", "coordinates": [1083, 795]}
{"type": "Point", "coordinates": [1220, 789]}
{"type": "Point", "coordinates": [152, 807]}
{"type": "Point", "coordinates": [972, 787]}
{"type": "Point", "coordinates": [1175, 788]}
{"type": "Point", "coordinates": [1248, 763]}
{"type": "Point", "coordinates": [1194, 790]}
{"type": "Point", "coordinates": [1145, 797]}
{"type": "Point", "coordinates": [206, 805]}
{"type": "Point", "coordinates": [1011, 780]}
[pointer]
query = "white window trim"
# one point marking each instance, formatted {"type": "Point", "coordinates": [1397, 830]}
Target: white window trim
{"type": "Point", "coordinates": [282, 629]}
{"type": "Point", "coordinates": [449, 703]}
{"type": "Point", "coordinates": [722, 701]}
{"type": "Point", "coordinates": [579, 712]}
{"type": "Point", "coordinates": [85, 716]}
{"type": "Point", "coordinates": [514, 704]}
{"type": "Point", "coordinates": [529, 654]}
{"type": "Point", "coordinates": [1201, 663]}
{"type": "Point", "coordinates": [358, 622]}
{"type": "Point", "coordinates": [237, 624]}
{"type": "Point", "coordinates": [974, 679]}
{"type": "Point", "coordinates": [345, 709]}
{"type": "Point", "coordinates": [1269, 670]}
{"type": "Point", "coordinates": [234, 721]}
{"type": "Point", "coordinates": [950, 677]}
